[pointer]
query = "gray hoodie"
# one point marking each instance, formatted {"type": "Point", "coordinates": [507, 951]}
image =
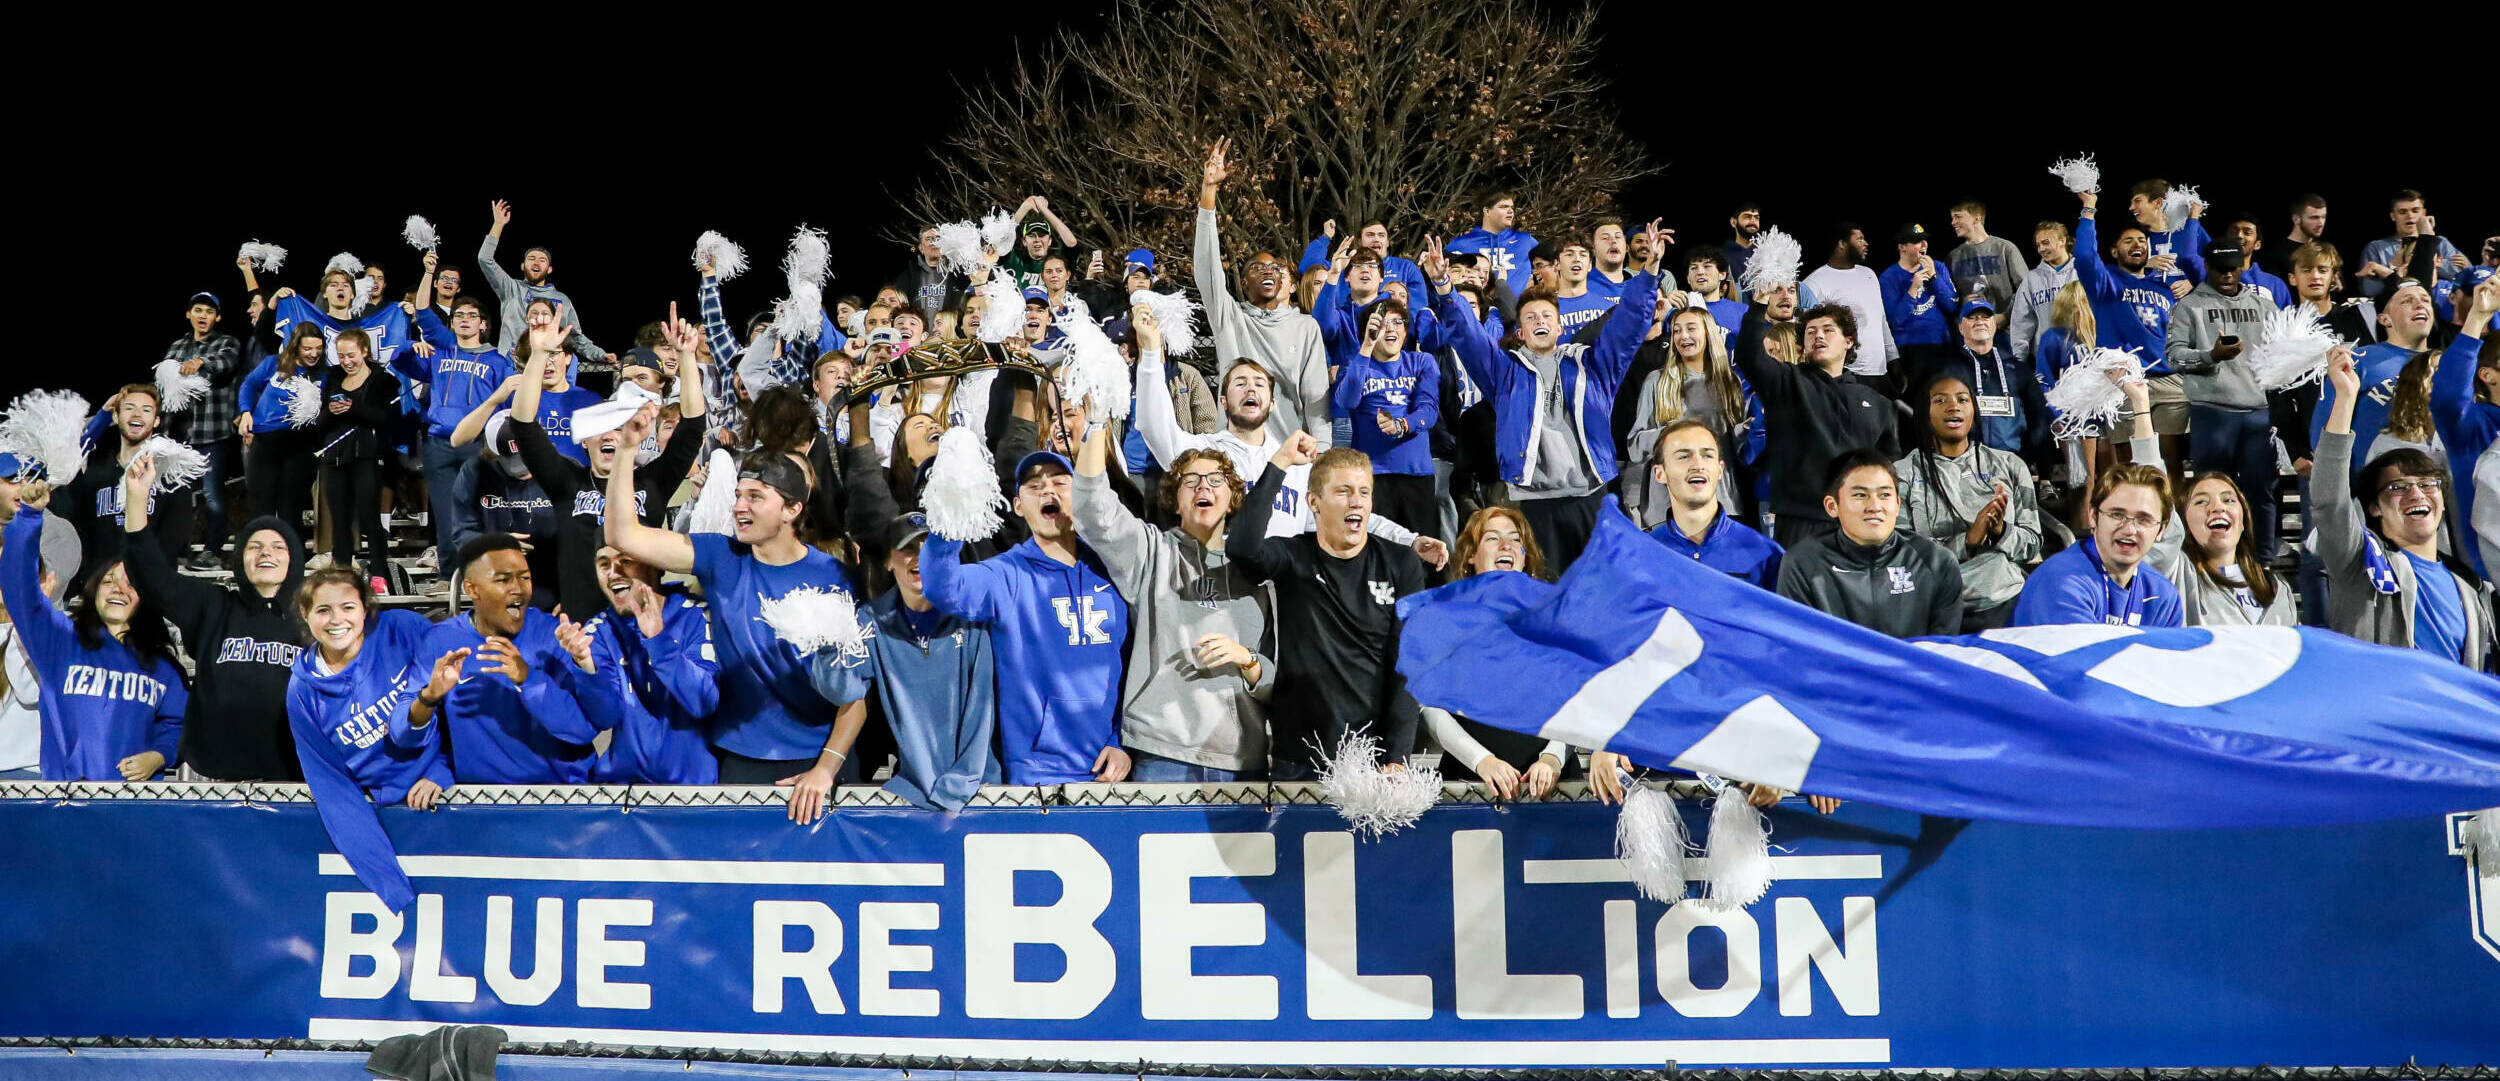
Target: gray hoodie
{"type": "Point", "coordinates": [2199, 321]}
{"type": "Point", "coordinates": [1179, 591]}
{"type": "Point", "coordinates": [2356, 607]}
{"type": "Point", "coordinates": [1284, 341]}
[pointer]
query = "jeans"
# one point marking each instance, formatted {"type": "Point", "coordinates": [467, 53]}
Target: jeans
{"type": "Point", "coordinates": [225, 462]}
{"type": "Point", "coordinates": [2239, 443]}
{"type": "Point", "coordinates": [1155, 769]}
{"type": "Point", "coordinates": [442, 473]}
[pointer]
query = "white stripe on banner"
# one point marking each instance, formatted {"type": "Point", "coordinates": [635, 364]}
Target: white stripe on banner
{"type": "Point", "coordinates": [1605, 703]}
{"type": "Point", "coordinates": [731, 872]}
{"type": "Point", "coordinates": [1783, 868]}
{"type": "Point", "coordinates": [1488, 1053]}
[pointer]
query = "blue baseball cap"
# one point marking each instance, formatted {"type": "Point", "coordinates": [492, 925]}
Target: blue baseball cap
{"type": "Point", "coordinates": [1140, 259]}
{"type": "Point", "coordinates": [209, 299]}
{"type": "Point", "coordinates": [1035, 292]}
{"type": "Point", "coordinates": [2444, 294]}
{"type": "Point", "coordinates": [11, 465]}
{"type": "Point", "coordinates": [1027, 463]}
{"type": "Point", "coordinates": [1978, 302]}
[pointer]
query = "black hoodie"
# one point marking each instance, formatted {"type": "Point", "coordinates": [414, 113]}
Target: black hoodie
{"type": "Point", "coordinates": [243, 649]}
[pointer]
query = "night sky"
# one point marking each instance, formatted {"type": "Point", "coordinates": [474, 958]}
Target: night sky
{"type": "Point", "coordinates": [616, 159]}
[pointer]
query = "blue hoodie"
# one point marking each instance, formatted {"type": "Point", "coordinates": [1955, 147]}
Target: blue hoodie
{"type": "Point", "coordinates": [1509, 248]}
{"type": "Point", "coordinates": [266, 400]}
{"type": "Point", "coordinates": [536, 733]}
{"type": "Point", "coordinates": [1925, 319]}
{"type": "Point", "coordinates": [768, 708]}
{"type": "Point", "coordinates": [2379, 364]}
{"type": "Point", "coordinates": [1060, 632]}
{"type": "Point", "coordinates": [2071, 587]}
{"type": "Point", "coordinates": [352, 735]}
{"type": "Point", "coordinates": [666, 686]}
{"type": "Point", "coordinates": [1591, 376]}
{"type": "Point", "coordinates": [938, 694]}
{"type": "Point", "coordinates": [455, 379]}
{"type": "Point", "coordinates": [1729, 547]}
{"type": "Point", "coordinates": [1408, 389]}
{"type": "Point", "coordinates": [2131, 310]}
{"type": "Point", "coordinates": [99, 704]}
{"type": "Point", "coordinates": [2466, 428]}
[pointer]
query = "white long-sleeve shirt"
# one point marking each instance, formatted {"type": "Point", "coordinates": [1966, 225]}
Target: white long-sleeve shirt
{"type": "Point", "coordinates": [1162, 431]}
{"type": "Point", "coordinates": [1858, 289]}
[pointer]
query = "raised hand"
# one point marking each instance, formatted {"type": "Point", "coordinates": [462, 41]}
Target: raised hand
{"type": "Point", "coordinates": [1141, 322]}
{"type": "Point", "coordinates": [1328, 228]}
{"type": "Point", "coordinates": [500, 212]}
{"type": "Point", "coordinates": [504, 657]}
{"type": "Point", "coordinates": [1435, 263]}
{"type": "Point", "coordinates": [140, 477]}
{"type": "Point", "coordinates": [1214, 173]}
{"type": "Point", "coordinates": [550, 338]}
{"type": "Point", "coordinates": [2339, 372]}
{"type": "Point", "coordinates": [575, 641]}
{"type": "Point", "coordinates": [1657, 238]}
{"type": "Point", "coordinates": [445, 676]}
{"type": "Point", "coordinates": [1297, 449]}
{"type": "Point", "coordinates": [430, 260]}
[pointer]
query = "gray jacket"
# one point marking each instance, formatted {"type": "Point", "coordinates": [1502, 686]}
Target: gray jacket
{"type": "Point", "coordinates": [1284, 341]}
{"type": "Point", "coordinates": [2354, 606]}
{"type": "Point", "coordinates": [1906, 587]}
{"type": "Point", "coordinates": [512, 302]}
{"type": "Point", "coordinates": [1992, 574]}
{"type": "Point", "coordinates": [2196, 324]}
{"type": "Point", "coordinates": [2034, 299]}
{"type": "Point", "coordinates": [1179, 591]}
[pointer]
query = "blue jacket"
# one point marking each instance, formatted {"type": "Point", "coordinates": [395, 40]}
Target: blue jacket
{"type": "Point", "coordinates": [1408, 388]}
{"type": "Point", "coordinates": [261, 396]}
{"type": "Point", "coordinates": [666, 688]}
{"type": "Point", "coordinates": [768, 708]}
{"type": "Point", "coordinates": [1925, 319]}
{"type": "Point", "coordinates": [1730, 547]}
{"type": "Point", "coordinates": [2071, 587]}
{"type": "Point", "coordinates": [537, 733]}
{"type": "Point", "coordinates": [1509, 248]}
{"type": "Point", "coordinates": [99, 705]}
{"type": "Point", "coordinates": [2131, 310]}
{"type": "Point", "coordinates": [2466, 428]}
{"type": "Point", "coordinates": [1591, 376]}
{"type": "Point", "coordinates": [2379, 364]}
{"type": "Point", "coordinates": [352, 735]}
{"type": "Point", "coordinates": [455, 379]}
{"type": "Point", "coordinates": [939, 697]}
{"type": "Point", "coordinates": [1060, 633]}
{"type": "Point", "coordinates": [2187, 241]}
{"type": "Point", "coordinates": [2252, 274]}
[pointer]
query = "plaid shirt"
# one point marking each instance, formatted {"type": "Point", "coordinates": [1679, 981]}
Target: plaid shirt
{"type": "Point", "coordinates": [211, 418]}
{"type": "Point", "coordinates": [724, 406]}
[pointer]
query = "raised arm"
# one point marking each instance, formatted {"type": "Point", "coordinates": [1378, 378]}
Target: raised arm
{"type": "Point", "coordinates": [669, 551]}
{"type": "Point", "coordinates": [1246, 542]}
{"type": "Point", "coordinates": [185, 600]}
{"type": "Point", "coordinates": [2461, 426]}
{"type": "Point", "coordinates": [2340, 521]}
{"type": "Point", "coordinates": [499, 215]}
{"type": "Point", "coordinates": [474, 425]}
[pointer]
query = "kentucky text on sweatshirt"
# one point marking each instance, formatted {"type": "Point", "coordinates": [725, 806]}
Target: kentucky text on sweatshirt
{"type": "Point", "coordinates": [455, 379]}
{"type": "Point", "coordinates": [2131, 310]}
{"type": "Point", "coordinates": [1408, 389]}
{"type": "Point", "coordinates": [768, 708]}
{"type": "Point", "coordinates": [99, 704]}
{"type": "Point", "coordinates": [1061, 631]}
{"type": "Point", "coordinates": [351, 732]}
{"type": "Point", "coordinates": [243, 648]}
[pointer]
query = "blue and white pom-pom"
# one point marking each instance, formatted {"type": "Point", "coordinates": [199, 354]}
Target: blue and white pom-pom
{"type": "Point", "coordinates": [177, 466]}
{"type": "Point", "coordinates": [1096, 373]}
{"type": "Point", "coordinates": [178, 391]}
{"type": "Point", "coordinates": [48, 426]}
{"type": "Point", "coordinates": [420, 234]}
{"type": "Point", "coordinates": [1650, 841]}
{"type": "Point", "coordinates": [813, 620]}
{"type": "Point", "coordinates": [1776, 259]}
{"type": "Point", "coordinates": [2176, 206]}
{"type": "Point", "coordinates": [1002, 309]}
{"type": "Point", "coordinates": [2292, 348]}
{"type": "Point", "coordinates": [962, 498]}
{"type": "Point", "coordinates": [303, 400]}
{"type": "Point", "coordinates": [716, 504]}
{"type": "Point", "coordinates": [2085, 399]}
{"type": "Point", "coordinates": [263, 256]}
{"type": "Point", "coordinates": [1740, 850]}
{"type": "Point", "coordinates": [1175, 315]}
{"type": "Point", "coordinates": [727, 258]}
{"type": "Point", "coordinates": [810, 257]}
{"type": "Point", "coordinates": [2078, 173]}
{"type": "Point", "coordinates": [1376, 802]}
{"type": "Point", "coordinates": [959, 247]}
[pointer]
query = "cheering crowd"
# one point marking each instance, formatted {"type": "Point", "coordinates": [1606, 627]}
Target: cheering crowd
{"type": "Point", "coordinates": [720, 556]}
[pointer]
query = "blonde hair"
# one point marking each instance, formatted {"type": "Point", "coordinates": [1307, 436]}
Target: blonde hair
{"type": "Point", "coordinates": [1784, 342]}
{"type": "Point", "coordinates": [2072, 309]}
{"type": "Point", "coordinates": [1716, 371]}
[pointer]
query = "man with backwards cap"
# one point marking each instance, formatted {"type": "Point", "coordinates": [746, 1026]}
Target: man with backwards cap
{"type": "Point", "coordinates": [1060, 629]}
{"type": "Point", "coordinates": [771, 726]}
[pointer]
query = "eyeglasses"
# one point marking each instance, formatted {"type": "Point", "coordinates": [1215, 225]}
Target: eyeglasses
{"type": "Point", "coordinates": [2140, 521]}
{"type": "Point", "coordinates": [1202, 480]}
{"type": "Point", "coordinates": [2398, 489]}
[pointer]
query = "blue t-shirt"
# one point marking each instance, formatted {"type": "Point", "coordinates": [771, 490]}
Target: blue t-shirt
{"type": "Point", "coordinates": [2438, 610]}
{"type": "Point", "coordinates": [2379, 364]}
{"type": "Point", "coordinates": [1582, 310]}
{"type": "Point", "coordinates": [768, 707]}
{"type": "Point", "coordinates": [555, 416]}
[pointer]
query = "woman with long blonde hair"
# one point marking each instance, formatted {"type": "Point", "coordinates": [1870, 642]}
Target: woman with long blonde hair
{"type": "Point", "coordinates": [1698, 382]}
{"type": "Point", "coordinates": [2071, 334]}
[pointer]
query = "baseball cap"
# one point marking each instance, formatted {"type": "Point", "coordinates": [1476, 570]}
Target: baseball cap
{"type": "Point", "coordinates": [1035, 292]}
{"type": "Point", "coordinates": [1978, 302]}
{"type": "Point", "coordinates": [906, 530]}
{"type": "Point", "coordinates": [2445, 294]}
{"type": "Point", "coordinates": [1036, 227]}
{"type": "Point", "coordinates": [1030, 462]}
{"type": "Point", "coordinates": [2398, 286]}
{"type": "Point", "coordinates": [11, 465]}
{"type": "Point", "coordinates": [885, 336]}
{"type": "Point", "coordinates": [2225, 252]}
{"type": "Point", "coordinates": [777, 472]}
{"type": "Point", "coordinates": [1140, 259]}
{"type": "Point", "coordinates": [495, 426]}
{"type": "Point", "coordinates": [1909, 234]}
{"type": "Point", "coordinates": [209, 299]}
{"type": "Point", "coordinates": [642, 357]}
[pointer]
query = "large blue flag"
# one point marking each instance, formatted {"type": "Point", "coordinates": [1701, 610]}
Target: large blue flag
{"type": "Point", "coordinates": [1658, 658]}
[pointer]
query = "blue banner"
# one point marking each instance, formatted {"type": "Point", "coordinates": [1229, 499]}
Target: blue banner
{"type": "Point", "coordinates": [1485, 936]}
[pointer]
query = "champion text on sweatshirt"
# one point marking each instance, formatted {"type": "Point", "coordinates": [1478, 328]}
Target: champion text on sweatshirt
{"type": "Point", "coordinates": [1061, 631]}
{"type": "Point", "coordinates": [101, 703]}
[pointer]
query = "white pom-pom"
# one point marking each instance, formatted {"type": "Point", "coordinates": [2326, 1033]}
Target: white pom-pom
{"type": "Point", "coordinates": [2085, 399]}
{"type": "Point", "coordinates": [177, 466]}
{"type": "Point", "coordinates": [1002, 309]}
{"type": "Point", "coordinates": [1650, 841]}
{"type": "Point", "coordinates": [1175, 315]}
{"type": "Point", "coordinates": [718, 499]}
{"type": "Point", "coordinates": [727, 258]}
{"type": "Point", "coordinates": [179, 391]}
{"type": "Point", "coordinates": [348, 262]}
{"type": "Point", "coordinates": [1096, 372]}
{"type": "Point", "coordinates": [420, 234]}
{"type": "Point", "coordinates": [800, 316]}
{"type": "Point", "coordinates": [813, 620]}
{"type": "Point", "coordinates": [48, 426]}
{"type": "Point", "coordinates": [303, 400]}
{"type": "Point", "coordinates": [959, 247]}
{"type": "Point", "coordinates": [810, 257]}
{"type": "Point", "coordinates": [2482, 842]}
{"type": "Point", "coordinates": [365, 289]}
{"type": "Point", "coordinates": [2176, 206]}
{"type": "Point", "coordinates": [998, 231]}
{"type": "Point", "coordinates": [2292, 348]}
{"type": "Point", "coordinates": [1776, 260]}
{"type": "Point", "coordinates": [263, 256]}
{"type": "Point", "coordinates": [1375, 801]}
{"type": "Point", "coordinates": [1740, 851]}
{"type": "Point", "coordinates": [2078, 173]}
{"type": "Point", "coordinates": [962, 499]}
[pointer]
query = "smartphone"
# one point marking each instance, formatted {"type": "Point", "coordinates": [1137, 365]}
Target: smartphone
{"type": "Point", "coordinates": [2229, 339]}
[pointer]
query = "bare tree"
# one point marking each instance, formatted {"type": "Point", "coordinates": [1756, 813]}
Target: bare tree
{"type": "Point", "coordinates": [1399, 113]}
